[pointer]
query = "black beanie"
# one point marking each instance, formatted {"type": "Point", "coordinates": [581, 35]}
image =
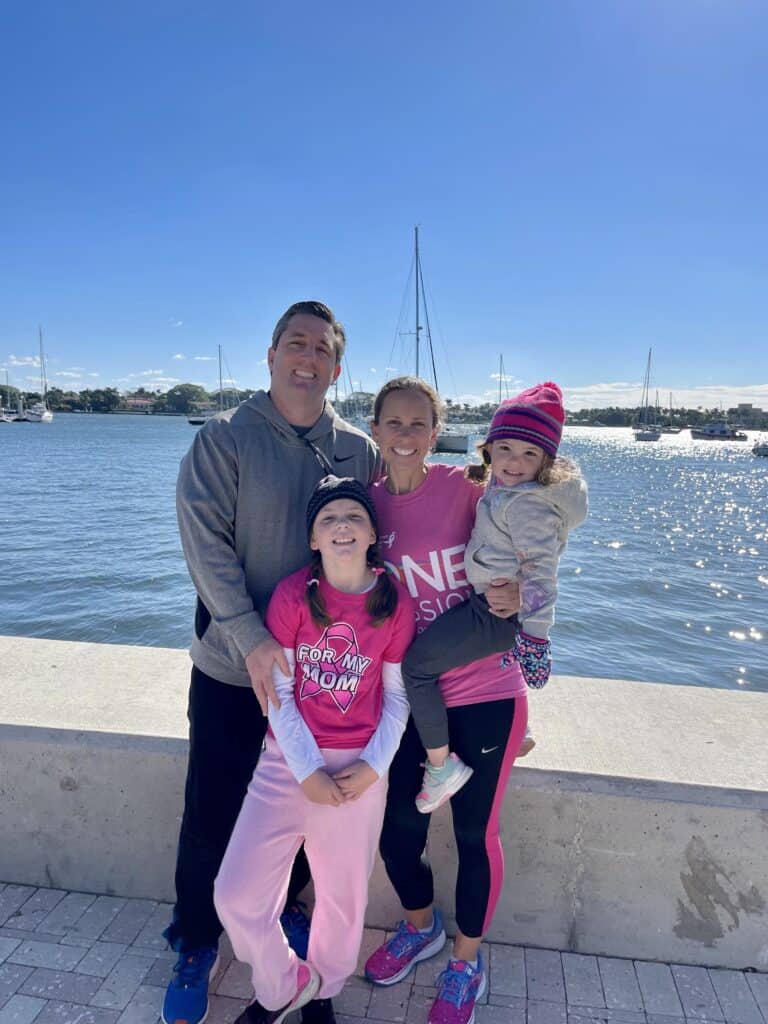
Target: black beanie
{"type": "Point", "coordinates": [332, 488]}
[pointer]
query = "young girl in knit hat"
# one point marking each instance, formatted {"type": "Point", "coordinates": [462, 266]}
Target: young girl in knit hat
{"type": "Point", "coordinates": [344, 625]}
{"type": "Point", "coordinates": [534, 498]}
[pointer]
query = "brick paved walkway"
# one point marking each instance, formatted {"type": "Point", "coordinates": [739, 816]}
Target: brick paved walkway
{"type": "Point", "coordinates": [73, 958]}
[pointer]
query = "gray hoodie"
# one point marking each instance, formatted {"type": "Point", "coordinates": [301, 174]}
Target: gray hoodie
{"type": "Point", "coordinates": [241, 501]}
{"type": "Point", "coordinates": [520, 533]}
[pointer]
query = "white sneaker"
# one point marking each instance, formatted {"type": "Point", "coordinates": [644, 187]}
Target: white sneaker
{"type": "Point", "coordinates": [441, 783]}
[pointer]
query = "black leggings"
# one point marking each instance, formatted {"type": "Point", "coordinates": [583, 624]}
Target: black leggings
{"type": "Point", "coordinates": [486, 737]}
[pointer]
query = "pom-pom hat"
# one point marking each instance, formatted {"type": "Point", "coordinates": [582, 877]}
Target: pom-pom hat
{"type": "Point", "coordinates": [334, 488]}
{"type": "Point", "coordinates": [536, 415]}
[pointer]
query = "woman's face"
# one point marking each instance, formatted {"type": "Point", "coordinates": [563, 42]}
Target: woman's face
{"type": "Point", "coordinates": [405, 431]}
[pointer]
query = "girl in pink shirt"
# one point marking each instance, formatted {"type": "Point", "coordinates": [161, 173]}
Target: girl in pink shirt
{"type": "Point", "coordinates": [344, 626]}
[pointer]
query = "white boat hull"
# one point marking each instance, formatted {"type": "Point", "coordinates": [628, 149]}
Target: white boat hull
{"type": "Point", "coordinates": [647, 435]}
{"type": "Point", "coordinates": [452, 444]}
{"type": "Point", "coordinates": [719, 435]}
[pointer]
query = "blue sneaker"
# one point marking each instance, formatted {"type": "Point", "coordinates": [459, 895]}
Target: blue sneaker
{"type": "Point", "coordinates": [295, 924]}
{"type": "Point", "coordinates": [186, 998]}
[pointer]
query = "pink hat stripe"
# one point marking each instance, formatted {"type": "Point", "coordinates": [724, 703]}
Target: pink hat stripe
{"type": "Point", "coordinates": [536, 416]}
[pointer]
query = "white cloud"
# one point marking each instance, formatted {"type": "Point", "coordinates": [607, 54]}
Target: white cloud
{"type": "Point", "coordinates": [67, 373]}
{"type": "Point", "coordinates": [204, 359]}
{"type": "Point", "coordinates": [94, 374]}
{"type": "Point", "coordinates": [23, 360]}
{"type": "Point", "coordinates": [625, 394]}
{"type": "Point", "coordinates": [174, 322]}
{"type": "Point", "coordinates": [179, 355]}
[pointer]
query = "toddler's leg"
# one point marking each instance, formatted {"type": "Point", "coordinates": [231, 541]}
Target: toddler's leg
{"type": "Point", "coordinates": [462, 634]}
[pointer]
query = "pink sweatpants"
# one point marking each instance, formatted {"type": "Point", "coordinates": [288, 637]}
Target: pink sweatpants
{"type": "Point", "coordinates": [252, 884]}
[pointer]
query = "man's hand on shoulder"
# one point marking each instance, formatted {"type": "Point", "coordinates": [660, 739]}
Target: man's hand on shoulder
{"type": "Point", "coordinates": [259, 664]}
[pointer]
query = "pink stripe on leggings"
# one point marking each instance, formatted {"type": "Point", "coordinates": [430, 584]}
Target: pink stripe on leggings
{"type": "Point", "coordinates": [493, 846]}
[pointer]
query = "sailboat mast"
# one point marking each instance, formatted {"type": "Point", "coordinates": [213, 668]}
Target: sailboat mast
{"type": "Point", "coordinates": [43, 388]}
{"type": "Point", "coordinates": [221, 384]}
{"type": "Point", "coordinates": [418, 275]}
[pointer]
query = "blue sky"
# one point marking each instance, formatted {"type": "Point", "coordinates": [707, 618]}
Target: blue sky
{"type": "Point", "coordinates": [589, 178]}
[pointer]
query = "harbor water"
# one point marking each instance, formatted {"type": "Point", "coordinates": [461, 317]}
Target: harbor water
{"type": "Point", "coordinates": [667, 581]}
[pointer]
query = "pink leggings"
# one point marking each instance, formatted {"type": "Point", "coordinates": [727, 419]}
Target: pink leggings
{"type": "Point", "coordinates": [252, 883]}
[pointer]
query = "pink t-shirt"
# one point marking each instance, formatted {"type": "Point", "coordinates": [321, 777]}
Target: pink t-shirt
{"type": "Point", "coordinates": [422, 537]}
{"type": "Point", "coordinates": [338, 687]}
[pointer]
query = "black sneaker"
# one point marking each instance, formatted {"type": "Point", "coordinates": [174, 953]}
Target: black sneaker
{"type": "Point", "coordinates": [318, 1011]}
{"type": "Point", "coordinates": [308, 984]}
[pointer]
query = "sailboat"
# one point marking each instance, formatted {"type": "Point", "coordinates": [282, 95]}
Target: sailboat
{"type": "Point", "coordinates": [39, 412]}
{"type": "Point", "coordinates": [647, 429]}
{"type": "Point", "coordinates": [198, 418]}
{"type": "Point", "coordinates": [6, 414]}
{"type": "Point", "coordinates": [453, 439]}
{"type": "Point", "coordinates": [670, 428]}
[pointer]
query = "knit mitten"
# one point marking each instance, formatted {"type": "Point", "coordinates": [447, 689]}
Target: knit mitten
{"type": "Point", "coordinates": [534, 657]}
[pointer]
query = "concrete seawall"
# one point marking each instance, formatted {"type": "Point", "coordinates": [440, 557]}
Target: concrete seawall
{"type": "Point", "coordinates": [638, 827]}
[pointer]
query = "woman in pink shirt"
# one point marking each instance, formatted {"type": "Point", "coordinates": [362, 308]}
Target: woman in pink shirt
{"type": "Point", "coordinates": [426, 514]}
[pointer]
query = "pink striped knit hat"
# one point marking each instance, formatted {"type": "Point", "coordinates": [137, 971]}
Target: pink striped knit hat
{"type": "Point", "coordinates": [536, 415]}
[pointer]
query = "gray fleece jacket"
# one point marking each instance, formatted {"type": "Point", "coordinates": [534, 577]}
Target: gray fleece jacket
{"type": "Point", "coordinates": [241, 501]}
{"type": "Point", "coordinates": [519, 534]}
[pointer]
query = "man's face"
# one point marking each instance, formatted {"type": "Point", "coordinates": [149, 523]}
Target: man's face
{"type": "Point", "coordinates": [303, 366]}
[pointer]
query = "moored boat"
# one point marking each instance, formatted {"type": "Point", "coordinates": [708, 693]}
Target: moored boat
{"type": "Point", "coordinates": [646, 429]}
{"type": "Point", "coordinates": [452, 440]}
{"type": "Point", "coordinates": [39, 412]}
{"type": "Point", "coordinates": [717, 430]}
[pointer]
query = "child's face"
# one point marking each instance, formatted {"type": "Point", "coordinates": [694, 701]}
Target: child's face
{"type": "Point", "coordinates": [342, 532]}
{"type": "Point", "coordinates": [515, 462]}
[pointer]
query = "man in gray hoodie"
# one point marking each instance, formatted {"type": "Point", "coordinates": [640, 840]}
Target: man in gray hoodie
{"type": "Point", "coordinates": [241, 499]}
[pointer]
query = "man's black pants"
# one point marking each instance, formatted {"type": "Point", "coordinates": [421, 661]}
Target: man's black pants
{"type": "Point", "coordinates": [226, 735]}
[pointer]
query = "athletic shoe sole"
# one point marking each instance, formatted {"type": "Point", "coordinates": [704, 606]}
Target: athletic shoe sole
{"type": "Point", "coordinates": [454, 785]}
{"type": "Point", "coordinates": [306, 995]}
{"type": "Point", "coordinates": [211, 976]}
{"type": "Point", "coordinates": [431, 950]}
{"type": "Point", "coordinates": [480, 994]}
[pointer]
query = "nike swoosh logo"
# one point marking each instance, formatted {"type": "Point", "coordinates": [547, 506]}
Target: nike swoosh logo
{"type": "Point", "coordinates": [489, 750]}
{"type": "Point", "coordinates": [345, 459]}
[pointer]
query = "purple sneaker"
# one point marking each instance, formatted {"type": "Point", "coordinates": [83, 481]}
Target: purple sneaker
{"type": "Point", "coordinates": [391, 962]}
{"type": "Point", "coordinates": [458, 989]}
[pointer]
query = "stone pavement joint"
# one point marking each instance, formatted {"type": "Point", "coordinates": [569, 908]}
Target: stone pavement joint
{"type": "Point", "coordinates": [78, 958]}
